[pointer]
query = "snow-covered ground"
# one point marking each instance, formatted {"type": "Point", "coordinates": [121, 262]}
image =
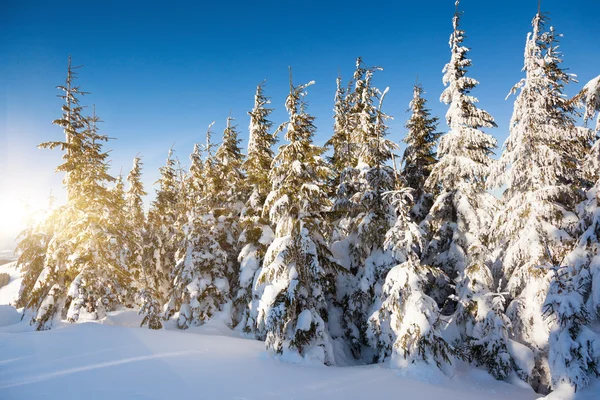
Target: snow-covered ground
{"type": "Point", "coordinates": [117, 360]}
{"type": "Point", "coordinates": [7, 255]}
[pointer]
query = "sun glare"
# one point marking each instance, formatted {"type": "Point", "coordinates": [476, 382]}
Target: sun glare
{"type": "Point", "coordinates": [14, 214]}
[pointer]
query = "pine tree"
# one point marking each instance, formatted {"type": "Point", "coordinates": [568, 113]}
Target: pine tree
{"type": "Point", "coordinates": [257, 234]}
{"type": "Point", "coordinates": [298, 270]}
{"type": "Point", "coordinates": [574, 350]}
{"type": "Point", "coordinates": [589, 97]}
{"type": "Point", "coordinates": [136, 242]}
{"type": "Point", "coordinates": [540, 168]}
{"type": "Point", "coordinates": [405, 326]}
{"type": "Point", "coordinates": [136, 220]}
{"type": "Point", "coordinates": [83, 273]}
{"type": "Point", "coordinates": [38, 287]}
{"type": "Point", "coordinates": [343, 155]}
{"type": "Point", "coordinates": [164, 233]}
{"type": "Point", "coordinates": [72, 122]}
{"type": "Point", "coordinates": [480, 314]}
{"type": "Point", "coordinates": [119, 221]}
{"type": "Point", "coordinates": [200, 285]}
{"type": "Point", "coordinates": [230, 187]}
{"type": "Point", "coordinates": [195, 184]}
{"type": "Point", "coordinates": [230, 193]}
{"type": "Point", "coordinates": [573, 302]}
{"type": "Point", "coordinates": [366, 215]}
{"type": "Point", "coordinates": [420, 156]}
{"type": "Point", "coordinates": [458, 223]}
{"type": "Point", "coordinates": [200, 281]}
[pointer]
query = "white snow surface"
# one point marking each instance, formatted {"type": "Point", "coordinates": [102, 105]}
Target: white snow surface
{"type": "Point", "coordinates": [10, 292]}
{"type": "Point", "coordinates": [100, 361]}
{"type": "Point", "coordinates": [116, 359]}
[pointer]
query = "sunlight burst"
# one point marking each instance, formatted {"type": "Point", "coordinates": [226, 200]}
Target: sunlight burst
{"type": "Point", "coordinates": [15, 214]}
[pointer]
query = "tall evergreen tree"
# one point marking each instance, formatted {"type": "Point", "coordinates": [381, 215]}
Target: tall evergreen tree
{"type": "Point", "coordinates": [120, 224]}
{"type": "Point", "coordinates": [573, 302]}
{"type": "Point", "coordinates": [343, 155]}
{"type": "Point", "coordinates": [200, 281]}
{"type": "Point", "coordinates": [257, 234]}
{"type": "Point", "coordinates": [229, 195]}
{"type": "Point", "coordinates": [574, 349]}
{"type": "Point", "coordinates": [164, 233]}
{"type": "Point", "coordinates": [540, 168]}
{"type": "Point", "coordinates": [298, 270]}
{"type": "Point", "coordinates": [405, 326]}
{"type": "Point", "coordinates": [458, 222]}
{"type": "Point", "coordinates": [366, 215]}
{"type": "Point", "coordinates": [589, 98]}
{"type": "Point", "coordinates": [83, 274]}
{"type": "Point", "coordinates": [230, 188]}
{"type": "Point", "coordinates": [136, 221]}
{"type": "Point", "coordinates": [136, 241]}
{"type": "Point", "coordinates": [420, 156]}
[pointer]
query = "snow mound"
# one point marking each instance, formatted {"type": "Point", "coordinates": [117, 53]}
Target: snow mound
{"type": "Point", "coordinates": [9, 315]}
{"type": "Point", "coordinates": [98, 361]}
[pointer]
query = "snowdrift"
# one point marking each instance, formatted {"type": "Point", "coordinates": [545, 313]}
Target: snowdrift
{"type": "Point", "coordinates": [115, 359]}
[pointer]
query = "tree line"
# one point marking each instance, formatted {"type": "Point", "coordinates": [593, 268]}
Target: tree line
{"type": "Point", "coordinates": [308, 252]}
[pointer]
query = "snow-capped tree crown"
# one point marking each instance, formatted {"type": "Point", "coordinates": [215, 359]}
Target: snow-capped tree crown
{"type": "Point", "coordinates": [464, 152]}
{"type": "Point", "coordinates": [260, 146]}
{"type": "Point", "coordinates": [543, 140]}
{"type": "Point", "coordinates": [421, 141]}
{"type": "Point", "coordinates": [299, 172]}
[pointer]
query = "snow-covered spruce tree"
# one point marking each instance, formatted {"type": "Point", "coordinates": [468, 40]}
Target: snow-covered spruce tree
{"type": "Point", "coordinates": [574, 349]}
{"type": "Point", "coordinates": [37, 286]}
{"type": "Point", "coordinates": [458, 223]}
{"type": "Point", "coordinates": [298, 271]}
{"type": "Point", "coordinates": [83, 273]}
{"type": "Point", "coordinates": [136, 241]}
{"type": "Point", "coordinates": [484, 327]}
{"type": "Point", "coordinates": [230, 189]}
{"type": "Point", "coordinates": [200, 285]}
{"type": "Point", "coordinates": [136, 221]}
{"type": "Point", "coordinates": [194, 181]}
{"type": "Point", "coordinates": [230, 195]}
{"type": "Point", "coordinates": [257, 234]}
{"type": "Point", "coordinates": [365, 215]}
{"type": "Point", "coordinates": [420, 156]}
{"type": "Point", "coordinates": [573, 301]}
{"type": "Point", "coordinates": [541, 170]}
{"type": "Point", "coordinates": [589, 98]}
{"type": "Point", "coordinates": [405, 326]}
{"type": "Point", "coordinates": [164, 230]}
{"type": "Point", "coordinates": [120, 225]}
{"type": "Point", "coordinates": [461, 213]}
{"type": "Point", "coordinates": [343, 155]}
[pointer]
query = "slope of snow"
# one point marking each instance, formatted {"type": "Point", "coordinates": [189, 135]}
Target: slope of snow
{"type": "Point", "coordinates": [9, 293]}
{"type": "Point", "coordinates": [100, 361]}
{"type": "Point", "coordinates": [115, 359]}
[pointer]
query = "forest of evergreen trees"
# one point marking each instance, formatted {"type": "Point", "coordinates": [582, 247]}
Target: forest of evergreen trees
{"type": "Point", "coordinates": [308, 252]}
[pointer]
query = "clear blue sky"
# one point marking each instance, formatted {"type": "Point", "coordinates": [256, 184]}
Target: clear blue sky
{"type": "Point", "coordinates": [160, 72]}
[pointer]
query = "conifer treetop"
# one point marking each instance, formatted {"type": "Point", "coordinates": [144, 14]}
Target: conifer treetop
{"type": "Point", "coordinates": [539, 152]}
{"type": "Point", "coordinates": [464, 152]}
{"type": "Point", "coordinates": [421, 139]}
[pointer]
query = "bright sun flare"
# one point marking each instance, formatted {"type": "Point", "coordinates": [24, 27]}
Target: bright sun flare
{"type": "Point", "coordinates": [14, 215]}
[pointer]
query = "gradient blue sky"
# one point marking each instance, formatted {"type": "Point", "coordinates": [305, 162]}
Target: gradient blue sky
{"type": "Point", "coordinates": [160, 72]}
